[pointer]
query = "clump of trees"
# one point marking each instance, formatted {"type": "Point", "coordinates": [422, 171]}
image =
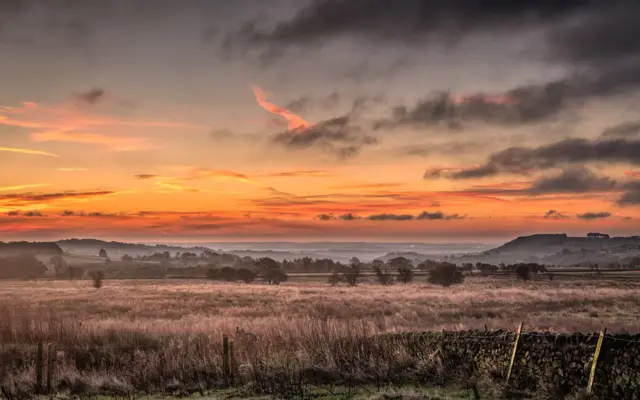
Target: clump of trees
{"type": "Point", "coordinates": [271, 271]}
{"type": "Point", "coordinates": [445, 274]}
{"type": "Point", "coordinates": [523, 272]}
{"type": "Point", "coordinates": [24, 266]}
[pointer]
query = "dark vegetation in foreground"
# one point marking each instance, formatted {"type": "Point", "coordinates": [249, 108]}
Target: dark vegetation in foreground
{"type": "Point", "coordinates": [286, 366]}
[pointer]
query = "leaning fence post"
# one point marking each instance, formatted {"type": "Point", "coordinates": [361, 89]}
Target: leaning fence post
{"type": "Point", "coordinates": [513, 354]}
{"type": "Point", "coordinates": [39, 367]}
{"type": "Point", "coordinates": [50, 361]}
{"type": "Point", "coordinates": [225, 359]}
{"type": "Point", "coordinates": [232, 363]}
{"type": "Point", "coordinates": [595, 360]}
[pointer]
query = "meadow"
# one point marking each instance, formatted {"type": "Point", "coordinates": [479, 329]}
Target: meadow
{"type": "Point", "coordinates": [151, 335]}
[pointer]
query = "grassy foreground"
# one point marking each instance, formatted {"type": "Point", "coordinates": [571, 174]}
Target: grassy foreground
{"type": "Point", "coordinates": [158, 336]}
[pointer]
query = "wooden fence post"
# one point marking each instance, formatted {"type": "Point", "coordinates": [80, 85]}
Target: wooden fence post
{"type": "Point", "coordinates": [595, 360]}
{"type": "Point", "coordinates": [39, 367]}
{"type": "Point", "coordinates": [225, 359]}
{"type": "Point", "coordinates": [232, 363]}
{"type": "Point", "coordinates": [50, 364]}
{"type": "Point", "coordinates": [513, 354]}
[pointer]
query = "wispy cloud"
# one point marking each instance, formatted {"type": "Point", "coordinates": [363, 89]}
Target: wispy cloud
{"type": "Point", "coordinates": [72, 169]}
{"type": "Point", "coordinates": [112, 142]}
{"type": "Point", "coordinates": [22, 187]}
{"type": "Point", "coordinates": [295, 174]}
{"type": "Point", "coordinates": [28, 151]}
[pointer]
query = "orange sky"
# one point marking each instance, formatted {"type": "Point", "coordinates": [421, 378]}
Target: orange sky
{"type": "Point", "coordinates": [66, 181]}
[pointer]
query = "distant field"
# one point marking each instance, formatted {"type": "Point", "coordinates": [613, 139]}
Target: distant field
{"type": "Point", "coordinates": [182, 322]}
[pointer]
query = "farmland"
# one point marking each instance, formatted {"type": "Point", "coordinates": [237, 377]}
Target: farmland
{"type": "Point", "coordinates": [170, 330]}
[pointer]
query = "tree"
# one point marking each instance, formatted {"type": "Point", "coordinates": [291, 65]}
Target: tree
{"type": "Point", "coordinates": [334, 278]}
{"type": "Point", "coordinates": [246, 275]}
{"type": "Point", "coordinates": [445, 274]}
{"type": "Point", "coordinates": [523, 272]}
{"type": "Point", "coordinates": [97, 277]}
{"type": "Point", "coordinates": [126, 258]}
{"type": "Point", "coordinates": [384, 277]}
{"type": "Point", "coordinates": [271, 271]}
{"type": "Point", "coordinates": [103, 253]}
{"type": "Point", "coordinates": [351, 275]}
{"type": "Point", "coordinates": [404, 267]}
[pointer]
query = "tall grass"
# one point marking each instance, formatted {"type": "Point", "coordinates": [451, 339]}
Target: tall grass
{"type": "Point", "coordinates": [154, 335]}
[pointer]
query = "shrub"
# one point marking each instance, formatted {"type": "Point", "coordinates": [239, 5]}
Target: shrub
{"type": "Point", "coordinates": [351, 275]}
{"type": "Point", "coordinates": [523, 272]}
{"type": "Point", "coordinates": [228, 274]}
{"type": "Point", "coordinates": [213, 274]}
{"type": "Point", "coordinates": [274, 276]}
{"type": "Point", "coordinates": [445, 274]}
{"type": "Point", "coordinates": [334, 278]}
{"type": "Point", "coordinates": [405, 274]}
{"type": "Point", "coordinates": [97, 277]}
{"type": "Point", "coordinates": [384, 277]}
{"type": "Point", "coordinates": [246, 275]}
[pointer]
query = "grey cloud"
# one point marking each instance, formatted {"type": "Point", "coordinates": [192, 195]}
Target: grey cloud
{"type": "Point", "coordinates": [425, 215]}
{"type": "Point", "coordinates": [409, 21]}
{"type": "Point", "coordinates": [590, 216]}
{"type": "Point", "coordinates": [437, 215]}
{"type": "Point", "coordinates": [573, 180]}
{"type": "Point", "coordinates": [554, 214]}
{"type": "Point", "coordinates": [524, 160]}
{"type": "Point", "coordinates": [631, 195]}
{"type": "Point", "coordinates": [335, 136]}
{"type": "Point", "coordinates": [90, 97]}
{"type": "Point", "coordinates": [306, 103]}
{"type": "Point", "coordinates": [390, 217]}
{"type": "Point", "coordinates": [626, 129]}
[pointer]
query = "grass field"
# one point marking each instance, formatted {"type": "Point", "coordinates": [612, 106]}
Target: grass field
{"type": "Point", "coordinates": [141, 335]}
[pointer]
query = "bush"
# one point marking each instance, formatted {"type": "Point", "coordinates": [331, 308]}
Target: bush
{"type": "Point", "coordinates": [246, 275]}
{"type": "Point", "coordinates": [274, 276]}
{"type": "Point", "coordinates": [523, 272]}
{"type": "Point", "coordinates": [405, 274]}
{"type": "Point", "coordinates": [228, 274]}
{"type": "Point", "coordinates": [351, 275]}
{"type": "Point", "coordinates": [97, 277]}
{"type": "Point", "coordinates": [213, 274]}
{"type": "Point", "coordinates": [445, 274]}
{"type": "Point", "coordinates": [334, 278]}
{"type": "Point", "coordinates": [384, 277]}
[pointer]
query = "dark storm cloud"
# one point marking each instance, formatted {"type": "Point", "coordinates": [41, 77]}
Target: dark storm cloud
{"type": "Point", "coordinates": [335, 136]}
{"type": "Point", "coordinates": [525, 160]}
{"type": "Point", "coordinates": [593, 38]}
{"type": "Point", "coordinates": [407, 21]}
{"type": "Point", "coordinates": [90, 97]}
{"type": "Point", "coordinates": [631, 195]}
{"type": "Point", "coordinates": [554, 214]}
{"type": "Point", "coordinates": [626, 129]}
{"type": "Point", "coordinates": [572, 180]}
{"type": "Point", "coordinates": [590, 216]}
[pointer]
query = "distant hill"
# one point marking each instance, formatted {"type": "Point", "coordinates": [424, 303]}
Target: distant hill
{"type": "Point", "coordinates": [560, 249]}
{"type": "Point", "coordinates": [41, 249]}
{"type": "Point", "coordinates": [118, 249]}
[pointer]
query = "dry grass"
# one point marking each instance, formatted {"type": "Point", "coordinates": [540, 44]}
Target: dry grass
{"type": "Point", "coordinates": [147, 334]}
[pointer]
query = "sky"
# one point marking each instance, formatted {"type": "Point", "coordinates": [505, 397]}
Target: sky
{"type": "Point", "coordinates": [332, 120]}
